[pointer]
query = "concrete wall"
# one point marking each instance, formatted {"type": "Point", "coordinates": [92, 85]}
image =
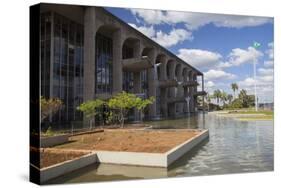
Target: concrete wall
{"type": "Point", "coordinates": [53, 140]}
{"type": "Point", "coordinates": [66, 167]}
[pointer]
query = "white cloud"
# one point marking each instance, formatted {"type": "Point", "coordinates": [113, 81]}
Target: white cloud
{"type": "Point", "coordinates": [240, 56]}
{"type": "Point", "coordinates": [268, 63]}
{"type": "Point", "coordinates": [196, 20]}
{"type": "Point", "coordinates": [200, 58]}
{"type": "Point", "coordinates": [148, 31]}
{"type": "Point", "coordinates": [265, 87]}
{"type": "Point", "coordinates": [174, 37]}
{"type": "Point", "coordinates": [270, 51]}
{"type": "Point", "coordinates": [218, 75]}
{"type": "Point", "coordinates": [265, 72]}
{"type": "Point", "coordinates": [149, 16]}
{"type": "Point", "coordinates": [208, 59]}
{"type": "Point", "coordinates": [209, 84]}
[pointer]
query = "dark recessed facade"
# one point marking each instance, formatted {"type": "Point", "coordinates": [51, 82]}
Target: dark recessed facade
{"type": "Point", "coordinates": [87, 53]}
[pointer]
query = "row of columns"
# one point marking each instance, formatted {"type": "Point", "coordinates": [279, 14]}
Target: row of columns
{"type": "Point", "coordinates": [90, 28]}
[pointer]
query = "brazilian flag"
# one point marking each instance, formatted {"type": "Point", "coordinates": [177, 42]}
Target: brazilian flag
{"type": "Point", "coordinates": [256, 45]}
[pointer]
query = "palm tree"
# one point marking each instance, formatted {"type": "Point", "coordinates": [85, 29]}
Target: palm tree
{"type": "Point", "coordinates": [229, 98]}
{"type": "Point", "coordinates": [234, 87]}
{"type": "Point", "coordinates": [217, 95]}
{"type": "Point", "coordinates": [223, 97]}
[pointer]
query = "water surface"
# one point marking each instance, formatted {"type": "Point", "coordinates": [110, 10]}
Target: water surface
{"type": "Point", "coordinates": [233, 147]}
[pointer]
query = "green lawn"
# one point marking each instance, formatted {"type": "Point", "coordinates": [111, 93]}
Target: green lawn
{"type": "Point", "coordinates": [263, 118]}
{"type": "Point", "coordinates": [265, 112]}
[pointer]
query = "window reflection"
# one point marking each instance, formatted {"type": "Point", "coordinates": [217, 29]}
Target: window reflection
{"type": "Point", "coordinates": [67, 63]}
{"type": "Point", "coordinates": [104, 57]}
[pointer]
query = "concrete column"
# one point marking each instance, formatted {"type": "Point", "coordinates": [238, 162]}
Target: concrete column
{"type": "Point", "coordinates": [152, 84]}
{"type": "Point", "coordinates": [137, 89]}
{"type": "Point", "coordinates": [89, 53]}
{"type": "Point", "coordinates": [163, 99]}
{"type": "Point", "coordinates": [163, 69]}
{"type": "Point", "coordinates": [117, 62]}
{"type": "Point", "coordinates": [192, 89]}
{"type": "Point", "coordinates": [89, 57]}
{"type": "Point", "coordinates": [163, 91]}
{"type": "Point", "coordinates": [180, 91]}
{"type": "Point", "coordinates": [172, 91]}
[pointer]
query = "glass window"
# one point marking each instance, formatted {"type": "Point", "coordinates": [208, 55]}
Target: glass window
{"type": "Point", "coordinates": [104, 57]}
{"type": "Point", "coordinates": [68, 64]}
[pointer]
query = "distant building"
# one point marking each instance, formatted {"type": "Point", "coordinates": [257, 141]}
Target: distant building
{"type": "Point", "coordinates": [88, 53]}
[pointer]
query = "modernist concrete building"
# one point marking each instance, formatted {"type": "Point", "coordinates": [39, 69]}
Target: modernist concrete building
{"type": "Point", "coordinates": [88, 53]}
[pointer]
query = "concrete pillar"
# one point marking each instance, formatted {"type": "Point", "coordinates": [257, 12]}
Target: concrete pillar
{"type": "Point", "coordinates": [89, 57]}
{"type": "Point", "coordinates": [137, 89]}
{"type": "Point", "coordinates": [89, 53]}
{"type": "Point", "coordinates": [163, 99]}
{"type": "Point", "coordinates": [163, 91]}
{"type": "Point", "coordinates": [192, 89]}
{"type": "Point", "coordinates": [172, 91]}
{"type": "Point", "coordinates": [117, 62]}
{"type": "Point", "coordinates": [152, 84]}
{"type": "Point", "coordinates": [180, 91]}
{"type": "Point", "coordinates": [163, 69]}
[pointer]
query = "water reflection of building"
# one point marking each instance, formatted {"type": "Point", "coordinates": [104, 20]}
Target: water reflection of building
{"type": "Point", "coordinates": [87, 53]}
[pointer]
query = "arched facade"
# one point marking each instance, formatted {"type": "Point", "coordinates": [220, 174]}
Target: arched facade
{"type": "Point", "coordinates": [117, 57]}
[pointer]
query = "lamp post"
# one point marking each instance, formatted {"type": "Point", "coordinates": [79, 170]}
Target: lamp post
{"type": "Point", "coordinates": [256, 45]}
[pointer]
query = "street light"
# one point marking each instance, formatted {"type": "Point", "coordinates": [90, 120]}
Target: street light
{"type": "Point", "coordinates": [256, 45]}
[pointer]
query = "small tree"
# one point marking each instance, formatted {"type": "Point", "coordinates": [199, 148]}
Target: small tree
{"type": "Point", "coordinates": [89, 109]}
{"type": "Point", "coordinates": [141, 104]}
{"type": "Point", "coordinates": [49, 107]}
{"type": "Point", "coordinates": [123, 102]}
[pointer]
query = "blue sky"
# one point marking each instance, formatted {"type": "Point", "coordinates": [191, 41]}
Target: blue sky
{"type": "Point", "coordinates": [218, 45]}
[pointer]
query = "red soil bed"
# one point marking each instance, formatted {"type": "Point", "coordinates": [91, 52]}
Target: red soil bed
{"type": "Point", "coordinates": [152, 141]}
{"type": "Point", "coordinates": [49, 157]}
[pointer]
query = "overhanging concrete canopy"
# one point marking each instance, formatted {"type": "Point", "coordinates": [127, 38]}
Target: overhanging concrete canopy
{"type": "Point", "coordinates": [136, 64]}
{"type": "Point", "coordinates": [176, 100]}
{"type": "Point", "coordinates": [190, 83]}
{"type": "Point", "coordinates": [168, 83]}
{"type": "Point", "coordinates": [200, 93]}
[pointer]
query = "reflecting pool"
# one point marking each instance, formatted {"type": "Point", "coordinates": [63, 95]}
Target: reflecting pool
{"type": "Point", "coordinates": [233, 147]}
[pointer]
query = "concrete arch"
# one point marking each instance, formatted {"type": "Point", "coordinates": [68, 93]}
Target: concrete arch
{"type": "Point", "coordinates": [160, 62]}
{"type": "Point", "coordinates": [131, 48]}
{"type": "Point", "coordinates": [107, 29]}
{"type": "Point", "coordinates": [190, 75]}
{"type": "Point", "coordinates": [148, 51]}
{"type": "Point", "coordinates": [170, 69]}
{"type": "Point", "coordinates": [185, 74]}
{"type": "Point", "coordinates": [178, 72]}
{"type": "Point", "coordinates": [194, 76]}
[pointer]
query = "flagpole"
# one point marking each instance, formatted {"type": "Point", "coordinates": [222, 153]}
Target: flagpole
{"type": "Point", "coordinates": [255, 82]}
{"type": "Point", "coordinates": [256, 45]}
